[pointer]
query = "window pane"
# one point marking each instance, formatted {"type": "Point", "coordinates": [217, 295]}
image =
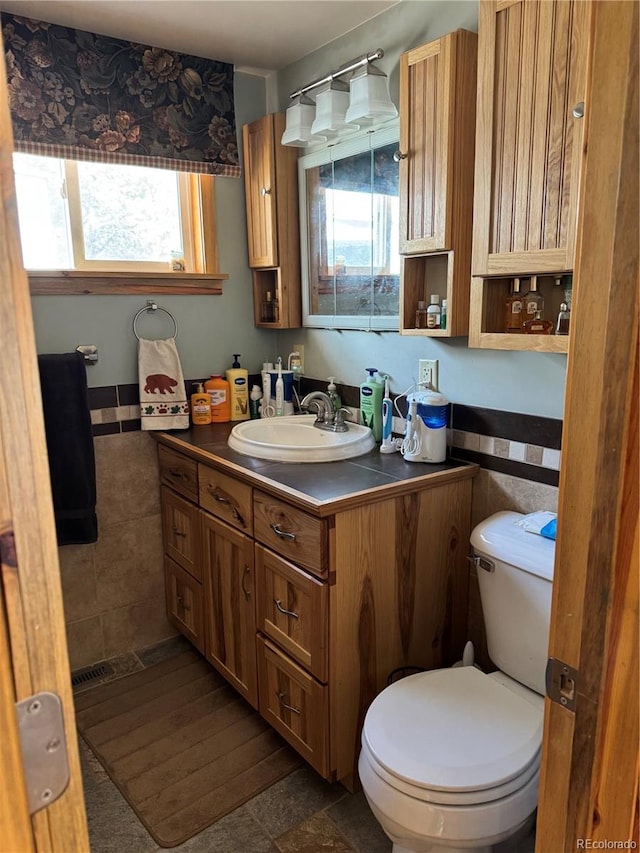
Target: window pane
{"type": "Point", "coordinates": [353, 235]}
{"type": "Point", "coordinates": [42, 212]}
{"type": "Point", "coordinates": [129, 213]}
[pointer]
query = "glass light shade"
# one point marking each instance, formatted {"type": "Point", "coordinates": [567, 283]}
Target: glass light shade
{"type": "Point", "coordinates": [332, 103]}
{"type": "Point", "coordinates": [369, 97]}
{"type": "Point", "coordinates": [299, 118]}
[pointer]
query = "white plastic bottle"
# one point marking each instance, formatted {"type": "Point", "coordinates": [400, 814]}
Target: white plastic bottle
{"type": "Point", "coordinates": [433, 312]}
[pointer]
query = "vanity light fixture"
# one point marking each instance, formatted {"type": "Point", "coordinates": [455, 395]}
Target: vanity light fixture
{"type": "Point", "coordinates": [299, 118]}
{"type": "Point", "coordinates": [339, 108]}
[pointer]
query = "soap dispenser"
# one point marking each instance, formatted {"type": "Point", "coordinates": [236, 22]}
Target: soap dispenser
{"type": "Point", "coordinates": [336, 402]}
{"type": "Point", "coordinates": [371, 403]}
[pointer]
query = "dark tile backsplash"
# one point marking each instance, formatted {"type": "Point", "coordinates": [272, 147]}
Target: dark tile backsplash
{"type": "Point", "coordinates": [525, 446]}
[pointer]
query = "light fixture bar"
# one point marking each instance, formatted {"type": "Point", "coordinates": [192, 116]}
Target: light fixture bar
{"type": "Point", "coordinates": [344, 69]}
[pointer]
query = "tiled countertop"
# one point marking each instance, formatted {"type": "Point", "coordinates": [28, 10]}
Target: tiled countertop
{"type": "Point", "coordinates": [322, 487]}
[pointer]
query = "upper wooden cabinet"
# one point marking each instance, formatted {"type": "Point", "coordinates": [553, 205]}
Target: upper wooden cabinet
{"type": "Point", "coordinates": [436, 151]}
{"type": "Point", "coordinates": [271, 189]}
{"type": "Point", "coordinates": [531, 94]}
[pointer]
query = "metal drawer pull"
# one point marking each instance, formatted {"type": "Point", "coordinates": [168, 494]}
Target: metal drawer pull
{"type": "Point", "coordinates": [282, 697]}
{"type": "Point", "coordinates": [215, 494]}
{"type": "Point", "coordinates": [482, 563]}
{"type": "Point", "coordinates": [178, 475]}
{"type": "Point", "coordinates": [278, 604]}
{"type": "Point", "coordinates": [247, 593]}
{"type": "Point", "coordinates": [178, 532]}
{"type": "Point", "coordinates": [283, 534]}
{"type": "Point", "coordinates": [578, 110]}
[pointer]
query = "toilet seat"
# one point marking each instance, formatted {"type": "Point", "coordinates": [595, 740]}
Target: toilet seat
{"type": "Point", "coordinates": [454, 736]}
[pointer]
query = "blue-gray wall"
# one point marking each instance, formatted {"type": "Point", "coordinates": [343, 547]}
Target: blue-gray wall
{"type": "Point", "coordinates": [514, 381]}
{"type": "Point", "coordinates": [211, 328]}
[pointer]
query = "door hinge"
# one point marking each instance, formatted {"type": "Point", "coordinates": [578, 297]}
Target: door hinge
{"type": "Point", "coordinates": [44, 748]}
{"type": "Point", "coordinates": [561, 683]}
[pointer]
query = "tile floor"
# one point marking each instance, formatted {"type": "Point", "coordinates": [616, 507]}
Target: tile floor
{"type": "Point", "coordinates": [300, 814]}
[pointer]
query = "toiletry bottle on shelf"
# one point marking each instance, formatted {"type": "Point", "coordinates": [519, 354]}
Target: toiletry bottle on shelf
{"type": "Point", "coordinates": [336, 402]}
{"type": "Point", "coordinates": [371, 403]}
{"type": "Point", "coordinates": [200, 406]}
{"type": "Point", "coordinates": [421, 315]}
{"type": "Point", "coordinates": [513, 311]}
{"type": "Point", "coordinates": [254, 401]}
{"type": "Point", "coordinates": [537, 325]}
{"type": "Point", "coordinates": [564, 316]}
{"type": "Point", "coordinates": [238, 379]}
{"type": "Point", "coordinates": [532, 301]}
{"type": "Point", "coordinates": [219, 399]}
{"type": "Point", "coordinates": [433, 312]}
{"type": "Point", "coordinates": [444, 314]}
{"type": "Point", "coordinates": [269, 312]}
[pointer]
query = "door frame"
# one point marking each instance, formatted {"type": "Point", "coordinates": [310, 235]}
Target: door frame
{"type": "Point", "coordinates": [589, 772]}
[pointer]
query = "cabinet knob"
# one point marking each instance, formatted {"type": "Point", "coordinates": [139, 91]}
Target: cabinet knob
{"type": "Point", "coordinates": [264, 191]}
{"type": "Point", "coordinates": [578, 110]}
{"type": "Point", "coordinates": [398, 155]}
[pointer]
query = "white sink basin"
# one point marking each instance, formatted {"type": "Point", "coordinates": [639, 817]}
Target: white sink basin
{"type": "Point", "coordinates": [295, 439]}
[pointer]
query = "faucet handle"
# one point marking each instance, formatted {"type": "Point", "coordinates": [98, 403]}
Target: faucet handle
{"type": "Point", "coordinates": [339, 418]}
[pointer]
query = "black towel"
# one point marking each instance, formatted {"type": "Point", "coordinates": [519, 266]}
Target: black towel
{"type": "Point", "coordinates": [67, 424]}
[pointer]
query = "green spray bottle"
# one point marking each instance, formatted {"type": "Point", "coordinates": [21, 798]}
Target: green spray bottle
{"type": "Point", "coordinates": [371, 403]}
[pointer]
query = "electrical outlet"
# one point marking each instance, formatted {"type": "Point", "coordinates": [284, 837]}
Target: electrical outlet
{"type": "Point", "coordinates": [428, 373]}
{"type": "Point", "coordinates": [299, 348]}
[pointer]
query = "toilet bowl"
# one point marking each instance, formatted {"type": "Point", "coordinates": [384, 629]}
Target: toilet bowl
{"type": "Point", "coordinates": [450, 758]}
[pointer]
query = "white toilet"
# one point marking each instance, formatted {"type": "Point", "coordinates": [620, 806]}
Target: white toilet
{"type": "Point", "coordinates": [451, 757]}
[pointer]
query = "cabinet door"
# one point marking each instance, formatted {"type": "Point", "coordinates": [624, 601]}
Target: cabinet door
{"type": "Point", "coordinates": [181, 531]}
{"type": "Point", "coordinates": [230, 619]}
{"type": "Point", "coordinates": [532, 76]}
{"type": "Point", "coordinates": [184, 603]}
{"type": "Point", "coordinates": [425, 130]}
{"type": "Point", "coordinates": [260, 190]}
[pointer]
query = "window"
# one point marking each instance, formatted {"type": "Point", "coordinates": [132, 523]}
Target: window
{"type": "Point", "coordinates": [350, 229]}
{"type": "Point", "coordinates": [91, 217]}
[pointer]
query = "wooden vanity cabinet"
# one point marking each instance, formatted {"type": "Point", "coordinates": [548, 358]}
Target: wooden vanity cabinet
{"type": "Point", "coordinates": [307, 612]}
{"type": "Point", "coordinates": [436, 151]}
{"type": "Point", "coordinates": [532, 83]}
{"type": "Point", "coordinates": [271, 192]}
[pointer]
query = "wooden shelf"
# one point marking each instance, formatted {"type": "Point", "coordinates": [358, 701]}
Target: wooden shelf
{"type": "Point", "coordinates": [74, 282]}
{"type": "Point", "coordinates": [488, 296]}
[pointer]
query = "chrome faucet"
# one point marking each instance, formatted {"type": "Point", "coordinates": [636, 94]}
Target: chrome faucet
{"type": "Point", "coordinates": [326, 416]}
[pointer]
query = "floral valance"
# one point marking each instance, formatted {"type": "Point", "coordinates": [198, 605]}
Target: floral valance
{"type": "Point", "coordinates": [81, 96]}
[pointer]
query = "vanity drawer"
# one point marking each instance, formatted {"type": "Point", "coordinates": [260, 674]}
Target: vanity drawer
{"type": "Point", "coordinates": [293, 611]}
{"type": "Point", "coordinates": [184, 603]}
{"type": "Point", "coordinates": [179, 472]}
{"type": "Point", "coordinates": [295, 534]}
{"type": "Point", "coordinates": [225, 498]}
{"type": "Point", "coordinates": [295, 704]}
{"type": "Point", "coordinates": [180, 530]}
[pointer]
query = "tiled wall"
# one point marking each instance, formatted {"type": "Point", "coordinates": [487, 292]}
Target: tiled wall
{"type": "Point", "coordinates": [113, 590]}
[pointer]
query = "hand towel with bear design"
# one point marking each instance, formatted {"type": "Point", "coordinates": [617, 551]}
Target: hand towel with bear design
{"type": "Point", "coordinates": [163, 398]}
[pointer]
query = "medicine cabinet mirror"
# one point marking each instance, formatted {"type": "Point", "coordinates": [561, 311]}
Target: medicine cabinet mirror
{"type": "Point", "coordinates": [349, 220]}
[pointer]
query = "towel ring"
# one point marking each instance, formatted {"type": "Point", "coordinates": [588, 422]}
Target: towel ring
{"type": "Point", "coordinates": [150, 307]}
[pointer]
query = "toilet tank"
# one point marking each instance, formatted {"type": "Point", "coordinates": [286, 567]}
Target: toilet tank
{"type": "Point", "coordinates": [515, 590]}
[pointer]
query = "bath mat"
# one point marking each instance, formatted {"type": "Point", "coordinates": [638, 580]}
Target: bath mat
{"type": "Point", "coordinates": [181, 745]}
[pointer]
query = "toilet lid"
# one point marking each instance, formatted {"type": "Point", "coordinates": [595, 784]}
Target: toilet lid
{"type": "Point", "coordinates": [453, 730]}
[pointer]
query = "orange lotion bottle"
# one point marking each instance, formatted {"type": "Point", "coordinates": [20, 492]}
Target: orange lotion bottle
{"type": "Point", "coordinates": [218, 390]}
{"type": "Point", "coordinates": [200, 406]}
